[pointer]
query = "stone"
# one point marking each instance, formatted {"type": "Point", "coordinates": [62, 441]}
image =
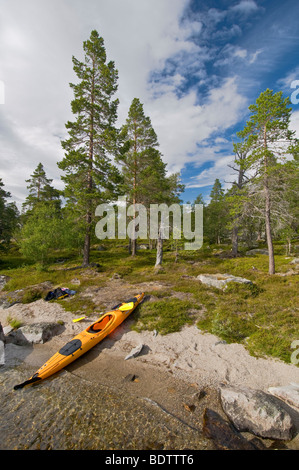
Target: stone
{"type": "Point", "coordinates": [3, 281]}
{"type": "Point", "coordinates": [257, 251]}
{"type": "Point", "coordinates": [2, 346]}
{"type": "Point", "coordinates": [220, 281]}
{"type": "Point", "coordinates": [223, 434]}
{"type": "Point", "coordinates": [35, 333]}
{"type": "Point", "coordinates": [295, 261]}
{"type": "Point", "coordinates": [288, 393]}
{"type": "Point", "coordinates": [2, 353]}
{"type": "Point", "coordinates": [257, 412]}
{"type": "Point", "coordinates": [134, 352]}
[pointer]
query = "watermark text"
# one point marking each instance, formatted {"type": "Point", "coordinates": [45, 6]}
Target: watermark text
{"type": "Point", "coordinates": [157, 221]}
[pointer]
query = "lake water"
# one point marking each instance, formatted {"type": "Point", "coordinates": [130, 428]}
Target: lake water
{"type": "Point", "coordinates": [70, 413]}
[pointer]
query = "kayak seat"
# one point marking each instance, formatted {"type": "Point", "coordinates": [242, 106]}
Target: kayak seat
{"type": "Point", "coordinates": [99, 326]}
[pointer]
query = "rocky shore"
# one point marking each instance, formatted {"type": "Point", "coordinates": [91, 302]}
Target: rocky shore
{"type": "Point", "coordinates": [238, 401]}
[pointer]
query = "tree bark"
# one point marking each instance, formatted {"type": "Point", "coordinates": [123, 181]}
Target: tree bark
{"type": "Point", "coordinates": [235, 239]}
{"type": "Point", "coordinates": [159, 256]}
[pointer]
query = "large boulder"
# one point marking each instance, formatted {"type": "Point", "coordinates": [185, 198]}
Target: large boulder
{"type": "Point", "coordinates": [257, 412]}
{"type": "Point", "coordinates": [34, 333]}
{"type": "Point", "coordinates": [221, 280]}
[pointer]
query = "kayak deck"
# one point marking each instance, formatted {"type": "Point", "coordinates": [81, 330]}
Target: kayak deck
{"type": "Point", "coordinates": [85, 340]}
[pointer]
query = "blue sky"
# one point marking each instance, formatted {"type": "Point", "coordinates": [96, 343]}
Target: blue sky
{"type": "Point", "coordinates": [195, 65]}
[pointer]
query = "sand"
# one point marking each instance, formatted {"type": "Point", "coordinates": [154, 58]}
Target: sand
{"type": "Point", "coordinates": [189, 355]}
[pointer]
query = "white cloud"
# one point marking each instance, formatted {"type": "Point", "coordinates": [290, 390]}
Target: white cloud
{"type": "Point", "coordinates": [38, 40]}
{"type": "Point", "coordinates": [245, 7]}
{"type": "Point", "coordinates": [184, 122]}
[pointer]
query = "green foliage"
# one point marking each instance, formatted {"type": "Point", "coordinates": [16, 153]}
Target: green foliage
{"type": "Point", "coordinates": [165, 316]}
{"type": "Point", "coordinates": [41, 233]}
{"type": "Point", "coordinates": [9, 218]}
{"type": "Point", "coordinates": [40, 189]}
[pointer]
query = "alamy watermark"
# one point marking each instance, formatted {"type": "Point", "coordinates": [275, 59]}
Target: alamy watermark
{"type": "Point", "coordinates": [295, 354]}
{"type": "Point", "coordinates": [2, 92]}
{"type": "Point", "coordinates": [151, 223]}
{"type": "Point", "coordinates": [295, 94]}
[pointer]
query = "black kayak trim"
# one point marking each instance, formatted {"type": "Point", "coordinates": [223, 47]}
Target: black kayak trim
{"type": "Point", "coordinates": [35, 378]}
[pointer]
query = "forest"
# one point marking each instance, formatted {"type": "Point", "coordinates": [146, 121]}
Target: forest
{"type": "Point", "coordinates": [102, 162]}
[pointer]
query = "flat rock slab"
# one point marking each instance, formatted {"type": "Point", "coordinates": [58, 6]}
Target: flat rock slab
{"type": "Point", "coordinates": [288, 393]}
{"type": "Point", "coordinates": [257, 412]}
{"type": "Point", "coordinates": [221, 280]}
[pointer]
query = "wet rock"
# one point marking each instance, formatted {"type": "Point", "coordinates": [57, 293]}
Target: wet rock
{"type": "Point", "coordinates": [223, 434]}
{"type": "Point", "coordinates": [2, 353]}
{"type": "Point", "coordinates": [2, 343]}
{"type": "Point", "coordinates": [131, 378]}
{"type": "Point", "coordinates": [221, 280]}
{"type": "Point", "coordinates": [257, 412]}
{"type": "Point", "coordinates": [288, 393]}
{"type": "Point", "coordinates": [34, 333]}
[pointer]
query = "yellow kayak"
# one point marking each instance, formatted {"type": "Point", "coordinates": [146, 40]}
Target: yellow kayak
{"type": "Point", "coordinates": [85, 340]}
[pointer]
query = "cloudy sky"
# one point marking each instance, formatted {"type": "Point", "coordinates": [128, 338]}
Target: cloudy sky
{"type": "Point", "coordinates": [195, 65]}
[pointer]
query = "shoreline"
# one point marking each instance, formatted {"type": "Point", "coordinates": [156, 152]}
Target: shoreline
{"type": "Point", "coordinates": [177, 372]}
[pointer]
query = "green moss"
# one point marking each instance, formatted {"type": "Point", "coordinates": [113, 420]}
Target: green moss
{"type": "Point", "coordinates": [165, 316]}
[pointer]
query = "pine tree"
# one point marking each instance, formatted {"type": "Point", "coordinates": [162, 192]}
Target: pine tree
{"type": "Point", "coordinates": [40, 189]}
{"type": "Point", "coordinates": [9, 217]}
{"type": "Point", "coordinates": [268, 139]}
{"type": "Point", "coordinates": [142, 166]}
{"type": "Point", "coordinates": [90, 177]}
{"type": "Point", "coordinates": [216, 214]}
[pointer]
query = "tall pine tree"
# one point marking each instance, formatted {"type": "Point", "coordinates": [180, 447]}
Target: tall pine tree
{"type": "Point", "coordinates": [267, 141]}
{"type": "Point", "coordinates": [142, 166]}
{"type": "Point", "coordinates": [89, 173]}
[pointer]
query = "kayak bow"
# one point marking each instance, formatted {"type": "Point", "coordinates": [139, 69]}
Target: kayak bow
{"type": "Point", "coordinates": [85, 340]}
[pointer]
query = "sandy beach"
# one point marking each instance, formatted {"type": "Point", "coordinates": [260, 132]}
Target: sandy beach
{"type": "Point", "coordinates": [190, 355]}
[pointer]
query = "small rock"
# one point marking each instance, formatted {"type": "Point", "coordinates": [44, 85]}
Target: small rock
{"type": "Point", "coordinates": [257, 412]}
{"type": "Point", "coordinates": [288, 393]}
{"type": "Point", "coordinates": [115, 276]}
{"type": "Point", "coordinates": [3, 281]}
{"type": "Point", "coordinates": [134, 352]}
{"type": "Point", "coordinates": [131, 378]}
{"type": "Point", "coordinates": [295, 261]}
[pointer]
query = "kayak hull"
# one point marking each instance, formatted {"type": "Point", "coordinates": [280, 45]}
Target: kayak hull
{"type": "Point", "coordinates": [85, 340]}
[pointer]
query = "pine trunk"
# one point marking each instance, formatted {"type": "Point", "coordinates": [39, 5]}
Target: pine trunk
{"type": "Point", "coordinates": [235, 240]}
{"type": "Point", "coordinates": [159, 256]}
{"type": "Point", "coordinates": [268, 209]}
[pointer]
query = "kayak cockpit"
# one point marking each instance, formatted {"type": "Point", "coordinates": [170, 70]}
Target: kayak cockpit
{"type": "Point", "coordinates": [100, 325]}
